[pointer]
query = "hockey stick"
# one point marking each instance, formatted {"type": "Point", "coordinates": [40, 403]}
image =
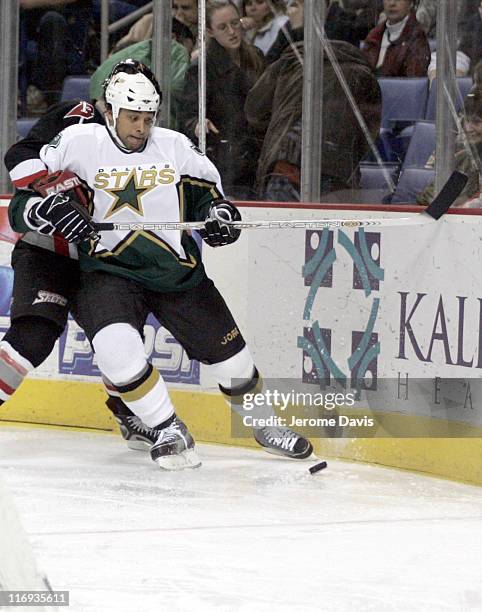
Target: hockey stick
{"type": "Point", "coordinates": [447, 196]}
{"type": "Point", "coordinates": [9, 238]}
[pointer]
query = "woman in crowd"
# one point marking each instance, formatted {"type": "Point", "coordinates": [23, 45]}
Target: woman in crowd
{"type": "Point", "coordinates": [398, 47]}
{"type": "Point", "coordinates": [262, 20]}
{"type": "Point", "coordinates": [232, 68]}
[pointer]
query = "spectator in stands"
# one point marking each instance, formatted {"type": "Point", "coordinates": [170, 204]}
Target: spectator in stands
{"type": "Point", "coordinates": [348, 20]}
{"type": "Point", "coordinates": [262, 20]}
{"type": "Point", "coordinates": [55, 43]}
{"type": "Point", "coordinates": [477, 76]}
{"type": "Point", "coordinates": [186, 11]}
{"type": "Point", "coordinates": [142, 30]}
{"type": "Point", "coordinates": [398, 47]}
{"type": "Point", "coordinates": [351, 20]}
{"type": "Point", "coordinates": [291, 33]}
{"type": "Point", "coordinates": [183, 35]}
{"type": "Point", "coordinates": [274, 108]}
{"type": "Point", "coordinates": [471, 39]}
{"type": "Point", "coordinates": [142, 52]}
{"type": "Point", "coordinates": [462, 64]}
{"type": "Point", "coordinates": [183, 11]}
{"type": "Point", "coordinates": [232, 67]}
{"type": "Point", "coordinates": [367, 14]}
{"type": "Point", "coordinates": [117, 8]}
{"type": "Point", "coordinates": [427, 14]}
{"type": "Point", "coordinates": [468, 155]}
{"type": "Point", "coordinates": [469, 32]}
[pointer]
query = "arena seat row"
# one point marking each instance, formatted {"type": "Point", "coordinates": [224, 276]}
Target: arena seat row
{"type": "Point", "coordinates": [73, 87]}
{"type": "Point", "coordinates": [409, 184]}
{"type": "Point", "coordinates": [405, 176]}
{"type": "Point", "coordinates": [24, 125]}
{"type": "Point", "coordinates": [76, 87]}
{"type": "Point", "coordinates": [411, 99]}
{"type": "Point", "coordinates": [405, 101]}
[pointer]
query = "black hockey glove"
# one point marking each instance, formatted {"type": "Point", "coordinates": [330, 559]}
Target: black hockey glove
{"type": "Point", "coordinates": [60, 213]}
{"type": "Point", "coordinates": [216, 231]}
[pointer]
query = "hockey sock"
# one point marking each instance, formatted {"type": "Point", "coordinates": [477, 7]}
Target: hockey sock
{"type": "Point", "coordinates": [27, 343]}
{"type": "Point", "coordinates": [13, 369]}
{"type": "Point", "coordinates": [239, 381]}
{"type": "Point", "coordinates": [240, 400]}
{"type": "Point", "coordinates": [117, 406]}
{"type": "Point", "coordinates": [235, 395]}
{"type": "Point", "coordinates": [33, 338]}
{"type": "Point", "coordinates": [147, 397]}
{"type": "Point", "coordinates": [122, 360]}
{"type": "Point", "coordinates": [114, 402]}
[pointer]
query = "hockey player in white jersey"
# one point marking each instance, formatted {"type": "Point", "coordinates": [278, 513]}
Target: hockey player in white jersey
{"type": "Point", "coordinates": [140, 172]}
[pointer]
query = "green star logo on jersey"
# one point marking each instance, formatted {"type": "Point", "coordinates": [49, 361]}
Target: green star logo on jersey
{"type": "Point", "coordinates": [130, 196]}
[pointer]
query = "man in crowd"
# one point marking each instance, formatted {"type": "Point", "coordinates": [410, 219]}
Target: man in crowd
{"type": "Point", "coordinates": [274, 109]}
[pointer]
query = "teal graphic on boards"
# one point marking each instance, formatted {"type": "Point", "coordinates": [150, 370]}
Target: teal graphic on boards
{"type": "Point", "coordinates": [359, 368]}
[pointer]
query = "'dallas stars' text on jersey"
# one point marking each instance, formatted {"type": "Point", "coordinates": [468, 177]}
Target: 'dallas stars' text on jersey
{"type": "Point", "coordinates": [168, 181]}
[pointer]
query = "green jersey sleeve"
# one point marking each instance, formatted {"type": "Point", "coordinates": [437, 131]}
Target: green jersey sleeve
{"type": "Point", "coordinates": [16, 210]}
{"type": "Point", "coordinates": [200, 183]}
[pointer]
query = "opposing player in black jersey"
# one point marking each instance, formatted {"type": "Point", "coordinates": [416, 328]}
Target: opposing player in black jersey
{"type": "Point", "coordinates": [46, 268]}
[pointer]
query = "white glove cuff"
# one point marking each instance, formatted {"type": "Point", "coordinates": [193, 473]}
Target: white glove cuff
{"type": "Point", "coordinates": [28, 207]}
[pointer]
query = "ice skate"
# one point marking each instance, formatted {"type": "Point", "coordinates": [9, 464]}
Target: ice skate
{"type": "Point", "coordinates": [136, 433]}
{"type": "Point", "coordinates": [174, 447]}
{"type": "Point", "coordinates": [283, 441]}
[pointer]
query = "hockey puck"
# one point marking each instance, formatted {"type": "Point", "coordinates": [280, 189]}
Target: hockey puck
{"type": "Point", "coordinates": [319, 466]}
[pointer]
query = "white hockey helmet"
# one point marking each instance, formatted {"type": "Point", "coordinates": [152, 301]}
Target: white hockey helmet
{"type": "Point", "coordinates": [131, 85]}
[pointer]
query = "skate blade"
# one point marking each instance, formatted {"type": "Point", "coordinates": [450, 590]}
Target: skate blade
{"type": "Point", "coordinates": [139, 445]}
{"type": "Point", "coordinates": [186, 459]}
{"type": "Point", "coordinates": [278, 453]}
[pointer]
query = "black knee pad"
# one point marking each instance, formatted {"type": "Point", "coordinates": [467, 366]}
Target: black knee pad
{"type": "Point", "coordinates": [33, 338]}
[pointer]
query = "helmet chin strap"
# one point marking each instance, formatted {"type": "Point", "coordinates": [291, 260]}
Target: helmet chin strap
{"type": "Point", "coordinates": [113, 128]}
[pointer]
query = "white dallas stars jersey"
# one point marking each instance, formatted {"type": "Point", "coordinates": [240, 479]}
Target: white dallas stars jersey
{"type": "Point", "coordinates": [169, 180]}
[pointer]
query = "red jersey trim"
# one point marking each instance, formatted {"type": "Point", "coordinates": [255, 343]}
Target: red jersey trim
{"type": "Point", "coordinates": [26, 180]}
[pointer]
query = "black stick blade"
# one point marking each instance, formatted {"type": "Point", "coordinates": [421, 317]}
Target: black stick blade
{"type": "Point", "coordinates": [447, 196]}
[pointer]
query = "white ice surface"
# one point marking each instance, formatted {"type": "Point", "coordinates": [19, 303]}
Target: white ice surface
{"type": "Point", "coordinates": [246, 532]}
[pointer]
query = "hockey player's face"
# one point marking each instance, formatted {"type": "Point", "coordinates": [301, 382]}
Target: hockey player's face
{"type": "Point", "coordinates": [225, 27]}
{"type": "Point", "coordinates": [133, 128]}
